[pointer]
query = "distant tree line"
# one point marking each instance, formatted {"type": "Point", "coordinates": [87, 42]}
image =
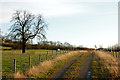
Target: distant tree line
{"type": "Point", "coordinates": [115, 48]}
{"type": "Point", "coordinates": [50, 45]}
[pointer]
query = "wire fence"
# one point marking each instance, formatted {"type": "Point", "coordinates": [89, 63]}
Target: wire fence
{"type": "Point", "coordinates": [34, 59]}
{"type": "Point", "coordinates": [115, 54]}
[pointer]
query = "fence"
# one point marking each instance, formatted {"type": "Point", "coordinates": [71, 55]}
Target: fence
{"type": "Point", "coordinates": [101, 70]}
{"type": "Point", "coordinates": [41, 57]}
{"type": "Point", "coordinates": [115, 54]}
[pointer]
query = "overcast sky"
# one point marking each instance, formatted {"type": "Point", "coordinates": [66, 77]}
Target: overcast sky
{"type": "Point", "coordinates": [79, 22]}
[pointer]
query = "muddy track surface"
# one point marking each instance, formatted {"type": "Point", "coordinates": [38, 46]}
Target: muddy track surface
{"type": "Point", "coordinates": [62, 71]}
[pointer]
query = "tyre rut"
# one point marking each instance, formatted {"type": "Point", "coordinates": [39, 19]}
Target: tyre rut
{"type": "Point", "coordinates": [62, 71]}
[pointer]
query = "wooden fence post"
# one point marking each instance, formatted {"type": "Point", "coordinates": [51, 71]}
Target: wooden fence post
{"type": "Point", "coordinates": [14, 65]}
{"type": "Point", "coordinates": [52, 54]}
{"type": "Point", "coordinates": [113, 54]}
{"type": "Point", "coordinates": [39, 58]}
{"type": "Point", "coordinates": [47, 55]}
{"type": "Point", "coordinates": [60, 51]}
{"type": "Point", "coordinates": [56, 52]}
{"type": "Point", "coordinates": [116, 54]}
{"type": "Point", "coordinates": [29, 61]}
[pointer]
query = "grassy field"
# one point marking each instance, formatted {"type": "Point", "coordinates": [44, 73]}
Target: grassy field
{"type": "Point", "coordinates": [3, 47]}
{"type": "Point", "coordinates": [22, 60]}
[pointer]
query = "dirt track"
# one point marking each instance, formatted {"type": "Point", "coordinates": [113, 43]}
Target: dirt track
{"type": "Point", "coordinates": [85, 68]}
{"type": "Point", "coordinates": [62, 71]}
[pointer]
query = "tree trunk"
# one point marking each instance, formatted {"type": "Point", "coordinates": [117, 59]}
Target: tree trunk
{"type": "Point", "coordinates": [23, 47]}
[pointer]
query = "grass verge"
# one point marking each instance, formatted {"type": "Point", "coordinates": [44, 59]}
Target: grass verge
{"type": "Point", "coordinates": [104, 65]}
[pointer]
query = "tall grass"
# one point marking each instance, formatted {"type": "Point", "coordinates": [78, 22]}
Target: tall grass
{"type": "Point", "coordinates": [104, 65]}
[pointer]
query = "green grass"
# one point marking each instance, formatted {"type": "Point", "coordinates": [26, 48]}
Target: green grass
{"type": "Point", "coordinates": [22, 60]}
{"type": "Point", "coordinates": [3, 47]}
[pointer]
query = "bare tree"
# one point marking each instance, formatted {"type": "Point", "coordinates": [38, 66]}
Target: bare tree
{"type": "Point", "coordinates": [26, 26]}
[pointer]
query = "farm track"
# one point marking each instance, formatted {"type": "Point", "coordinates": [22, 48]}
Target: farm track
{"type": "Point", "coordinates": [62, 71]}
{"type": "Point", "coordinates": [85, 68]}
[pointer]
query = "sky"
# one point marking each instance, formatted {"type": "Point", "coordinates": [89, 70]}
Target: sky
{"type": "Point", "coordinates": [78, 22]}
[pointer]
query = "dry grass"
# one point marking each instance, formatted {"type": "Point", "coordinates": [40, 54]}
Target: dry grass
{"type": "Point", "coordinates": [108, 63]}
{"type": "Point", "coordinates": [63, 57]}
{"type": "Point", "coordinates": [108, 58]}
{"type": "Point", "coordinates": [36, 70]}
{"type": "Point", "coordinates": [18, 75]}
{"type": "Point", "coordinates": [46, 65]}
